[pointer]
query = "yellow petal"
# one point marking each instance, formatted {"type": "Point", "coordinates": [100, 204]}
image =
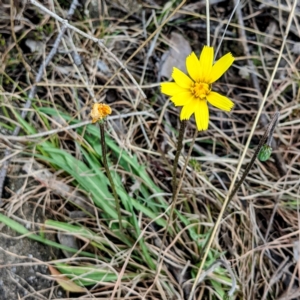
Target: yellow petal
{"type": "Point", "coordinates": [220, 67]}
{"type": "Point", "coordinates": [188, 109]}
{"type": "Point", "coordinates": [202, 115]}
{"type": "Point", "coordinates": [182, 98]}
{"type": "Point", "coordinates": [193, 66]}
{"type": "Point", "coordinates": [219, 101]}
{"type": "Point", "coordinates": [206, 61]}
{"type": "Point", "coordinates": [182, 79]}
{"type": "Point", "coordinates": [171, 88]}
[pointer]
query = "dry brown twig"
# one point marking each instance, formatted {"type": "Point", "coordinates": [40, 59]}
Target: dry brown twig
{"type": "Point", "coordinates": [31, 137]}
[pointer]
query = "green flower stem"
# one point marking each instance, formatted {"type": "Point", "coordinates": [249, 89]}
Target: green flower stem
{"type": "Point", "coordinates": [176, 188]}
{"type": "Point", "coordinates": [266, 137]}
{"type": "Point", "coordinates": [178, 151]}
{"type": "Point", "coordinates": [112, 185]}
{"type": "Point", "coordinates": [272, 126]}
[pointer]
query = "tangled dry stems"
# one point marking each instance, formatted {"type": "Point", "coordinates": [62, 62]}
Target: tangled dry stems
{"type": "Point", "coordinates": [259, 231]}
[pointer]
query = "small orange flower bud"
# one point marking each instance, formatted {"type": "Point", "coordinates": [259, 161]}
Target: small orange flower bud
{"type": "Point", "coordinates": [100, 111]}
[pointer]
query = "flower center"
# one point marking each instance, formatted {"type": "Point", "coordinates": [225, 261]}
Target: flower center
{"type": "Point", "coordinates": [200, 90]}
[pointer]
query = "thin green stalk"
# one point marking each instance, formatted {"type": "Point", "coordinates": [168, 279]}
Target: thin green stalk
{"type": "Point", "coordinates": [272, 126]}
{"type": "Point", "coordinates": [112, 185]}
{"type": "Point", "coordinates": [266, 137]}
{"type": "Point", "coordinates": [178, 151]}
{"type": "Point", "coordinates": [176, 190]}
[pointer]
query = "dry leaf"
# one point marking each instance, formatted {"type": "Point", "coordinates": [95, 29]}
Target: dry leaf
{"type": "Point", "coordinates": [65, 282]}
{"type": "Point", "coordinates": [296, 49]}
{"type": "Point", "coordinates": [34, 46]}
{"type": "Point", "coordinates": [180, 48]}
{"type": "Point", "coordinates": [244, 72]}
{"type": "Point", "coordinates": [68, 240]}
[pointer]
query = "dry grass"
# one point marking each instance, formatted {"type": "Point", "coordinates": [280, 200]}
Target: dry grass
{"type": "Point", "coordinates": [261, 226]}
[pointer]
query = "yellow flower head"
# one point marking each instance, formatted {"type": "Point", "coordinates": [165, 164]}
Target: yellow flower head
{"type": "Point", "coordinates": [100, 111]}
{"type": "Point", "coordinates": [194, 91]}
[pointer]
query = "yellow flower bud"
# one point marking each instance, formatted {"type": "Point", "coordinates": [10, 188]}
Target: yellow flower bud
{"type": "Point", "coordinates": [100, 111]}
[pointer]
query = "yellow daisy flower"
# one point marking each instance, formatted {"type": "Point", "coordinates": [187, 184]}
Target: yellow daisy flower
{"type": "Point", "coordinates": [194, 91]}
{"type": "Point", "coordinates": [100, 111]}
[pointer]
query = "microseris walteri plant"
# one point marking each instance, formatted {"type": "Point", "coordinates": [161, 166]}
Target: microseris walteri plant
{"type": "Point", "coordinates": [194, 91]}
{"type": "Point", "coordinates": [99, 113]}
